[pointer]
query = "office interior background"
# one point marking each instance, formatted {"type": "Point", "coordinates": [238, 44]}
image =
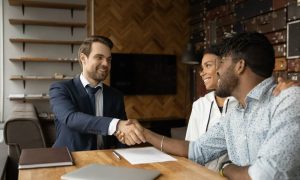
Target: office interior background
{"type": "Point", "coordinates": [40, 39]}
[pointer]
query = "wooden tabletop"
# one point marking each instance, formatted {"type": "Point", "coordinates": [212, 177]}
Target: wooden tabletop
{"type": "Point", "coordinates": [180, 169]}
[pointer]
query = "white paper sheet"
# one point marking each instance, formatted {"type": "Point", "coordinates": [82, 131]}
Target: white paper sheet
{"type": "Point", "coordinates": [144, 155]}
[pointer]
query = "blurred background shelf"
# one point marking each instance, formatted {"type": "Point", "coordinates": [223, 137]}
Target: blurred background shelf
{"type": "Point", "coordinates": [41, 59]}
{"type": "Point", "coordinates": [25, 22]}
{"type": "Point", "coordinates": [44, 41]}
{"type": "Point", "coordinates": [42, 4]}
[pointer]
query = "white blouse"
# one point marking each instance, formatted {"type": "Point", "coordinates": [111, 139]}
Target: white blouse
{"type": "Point", "coordinates": [205, 113]}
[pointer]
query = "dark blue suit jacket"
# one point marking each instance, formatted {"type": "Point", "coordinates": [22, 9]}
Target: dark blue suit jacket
{"type": "Point", "coordinates": [76, 126]}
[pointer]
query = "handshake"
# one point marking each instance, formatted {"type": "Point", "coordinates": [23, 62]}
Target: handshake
{"type": "Point", "coordinates": [130, 132]}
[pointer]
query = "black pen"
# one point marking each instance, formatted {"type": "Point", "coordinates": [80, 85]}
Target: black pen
{"type": "Point", "coordinates": [116, 155]}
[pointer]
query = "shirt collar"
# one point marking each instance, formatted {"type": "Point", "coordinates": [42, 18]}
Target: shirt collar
{"type": "Point", "coordinates": [261, 89]}
{"type": "Point", "coordinates": [85, 82]}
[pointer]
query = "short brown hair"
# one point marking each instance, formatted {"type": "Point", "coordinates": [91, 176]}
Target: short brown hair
{"type": "Point", "coordinates": [86, 45]}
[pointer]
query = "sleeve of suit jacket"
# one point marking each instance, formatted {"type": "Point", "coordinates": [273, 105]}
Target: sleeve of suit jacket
{"type": "Point", "coordinates": [70, 112]}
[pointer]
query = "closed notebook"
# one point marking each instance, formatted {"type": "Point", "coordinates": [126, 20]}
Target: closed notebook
{"type": "Point", "coordinates": [107, 172]}
{"type": "Point", "coordinates": [45, 157]}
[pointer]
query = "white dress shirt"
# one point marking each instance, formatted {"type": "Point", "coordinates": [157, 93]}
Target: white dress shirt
{"type": "Point", "coordinates": [99, 104]}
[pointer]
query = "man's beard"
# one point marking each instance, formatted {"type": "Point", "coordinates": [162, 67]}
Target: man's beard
{"type": "Point", "coordinates": [227, 83]}
{"type": "Point", "coordinates": [98, 76]}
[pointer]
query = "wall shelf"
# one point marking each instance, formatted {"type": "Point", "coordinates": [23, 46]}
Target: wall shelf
{"type": "Point", "coordinates": [44, 41]}
{"type": "Point", "coordinates": [30, 98]}
{"type": "Point", "coordinates": [39, 78]}
{"type": "Point", "coordinates": [46, 116]}
{"type": "Point", "coordinates": [41, 4]}
{"type": "Point", "coordinates": [24, 22]}
{"type": "Point", "coordinates": [40, 59]}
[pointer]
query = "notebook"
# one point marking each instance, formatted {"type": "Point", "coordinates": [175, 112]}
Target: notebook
{"type": "Point", "coordinates": [45, 157]}
{"type": "Point", "coordinates": [107, 172]}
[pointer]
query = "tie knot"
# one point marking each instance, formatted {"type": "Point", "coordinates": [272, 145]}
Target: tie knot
{"type": "Point", "coordinates": [92, 90]}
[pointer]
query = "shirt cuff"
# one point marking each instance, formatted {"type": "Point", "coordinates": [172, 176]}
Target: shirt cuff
{"type": "Point", "coordinates": [191, 154]}
{"type": "Point", "coordinates": [261, 169]}
{"type": "Point", "coordinates": [113, 126]}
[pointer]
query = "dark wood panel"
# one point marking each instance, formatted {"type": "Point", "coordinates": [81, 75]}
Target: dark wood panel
{"type": "Point", "coordinates": [280, 50]}
{"type": "Point", "coordinates": [294, 76]}
{"type": "Point", "coordinates": [282, 74]}
{"type": "Point", "coordinates": [293, 42]}
{"type": "Point", "coordinates": [293, 10]}
{"type": "Point", "coordinates": [278, 4]}
{"type": "Point", "coordinates": [219, 11]}
{"type": "Point", "coordinates": [226, 20]}
{"type": "Point", "coordinates": [269, 17]}
{"type": "Point", "coordinates": [280, 64]}
{"type": "Point", "coordinates": [273, 21]}
{"type": "Point", "coordinates": [252, 8]}
{"type": "Point", "coordinates": [277, 37]}
{"type": "Point", "coordinates": [152, 27]}
{"type": "Point", "coordinates": [222, 31]}
{"type": "Point", "coordinates": [210, 4]}
{"type": "Point", "coordinates": [294, 65]}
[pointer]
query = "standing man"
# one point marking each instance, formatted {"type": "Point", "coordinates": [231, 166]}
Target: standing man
{"type": "Point", "coordinates": [87, 112]}
{"type": "Point", "coordinates": [261, 134]}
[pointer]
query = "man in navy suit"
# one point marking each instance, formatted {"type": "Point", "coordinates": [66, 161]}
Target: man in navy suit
{"type": "Point", "coordinates": [86, 109]}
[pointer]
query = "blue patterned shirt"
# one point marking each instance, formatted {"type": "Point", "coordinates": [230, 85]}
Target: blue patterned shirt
{"type": "Point", "coordinates": [264, 135]}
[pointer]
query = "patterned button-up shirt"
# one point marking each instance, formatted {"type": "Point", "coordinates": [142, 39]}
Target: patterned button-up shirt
{"type": "Point", "coordinates": [264, 135]}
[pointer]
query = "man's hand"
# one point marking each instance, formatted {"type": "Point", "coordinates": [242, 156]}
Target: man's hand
{"type": "Point", "coordinates": [130, 132]}
{"type": "Point", "coordinates": [120, 136]}
{"type": "Point", "coordinates": [284, 84]}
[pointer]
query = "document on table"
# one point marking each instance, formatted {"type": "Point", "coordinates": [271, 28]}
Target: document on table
{"type": "Point", "coordinates": [144, 155]}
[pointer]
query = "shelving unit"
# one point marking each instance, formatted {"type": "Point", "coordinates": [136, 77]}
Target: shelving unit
{"type": "Point", "coordinates": [25, 22]}
{"type": "Point", "coordinates": [40, 59]}
{"type": "Point", "coordinates": [41, 4]}
{"type": "Point", "coordinates": [42, 26]}
{"type": "Point", "coordinates": [44, 41]}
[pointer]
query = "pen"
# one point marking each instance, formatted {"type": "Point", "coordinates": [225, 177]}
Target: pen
{"type": "Point", "coordinates": [116, 155]}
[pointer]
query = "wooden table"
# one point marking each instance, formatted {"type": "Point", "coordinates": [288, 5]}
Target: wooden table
{"type": "Point", "coordinates": [180, 169]}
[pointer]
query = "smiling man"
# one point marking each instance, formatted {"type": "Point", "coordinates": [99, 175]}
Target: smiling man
{"type": "Point", "coordinates": [261, 134]}
{"type": "Point", "coordinates": [88, 112]}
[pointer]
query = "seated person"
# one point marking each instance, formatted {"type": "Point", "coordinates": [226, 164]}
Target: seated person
{"type": "Point", "coordinates": [207, 110]}
{"type": "Point", "coordinates": [88, 112]}
{"type": "Point", "coordinates": [261, 134]}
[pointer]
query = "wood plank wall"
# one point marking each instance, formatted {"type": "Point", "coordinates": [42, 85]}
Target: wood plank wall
{"type": "Point", "coordinates": [148, 26]}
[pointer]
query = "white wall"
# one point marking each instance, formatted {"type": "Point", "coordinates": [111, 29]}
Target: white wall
{"type": "Point", "coordinates": [38, 50]}
{"type": "Point", "coordinates": [1, 61]}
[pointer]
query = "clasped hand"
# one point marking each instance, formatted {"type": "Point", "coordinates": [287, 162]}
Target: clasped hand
{"type": "Point", "coordinates": [130, 132]}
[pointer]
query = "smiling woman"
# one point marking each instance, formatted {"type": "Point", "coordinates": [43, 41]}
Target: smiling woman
{"type": "Point", "coordinates": [208, 70]}
{"type": "Point", "coordinates": [208, 109]}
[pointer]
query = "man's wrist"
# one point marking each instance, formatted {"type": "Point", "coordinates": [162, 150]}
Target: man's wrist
{"type": "Point", "coordinates": [223, 166]}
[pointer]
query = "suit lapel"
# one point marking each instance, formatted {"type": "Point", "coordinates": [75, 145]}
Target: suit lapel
{"type": "Point", "coordinates": [83, 97]}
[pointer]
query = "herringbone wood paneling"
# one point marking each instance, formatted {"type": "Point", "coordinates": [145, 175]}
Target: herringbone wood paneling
{"type": "Point", "coordinates": [148, 26]}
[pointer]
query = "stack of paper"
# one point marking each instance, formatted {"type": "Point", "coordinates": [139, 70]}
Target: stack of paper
{"type": "Point", "coordinates": [144, 155]}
